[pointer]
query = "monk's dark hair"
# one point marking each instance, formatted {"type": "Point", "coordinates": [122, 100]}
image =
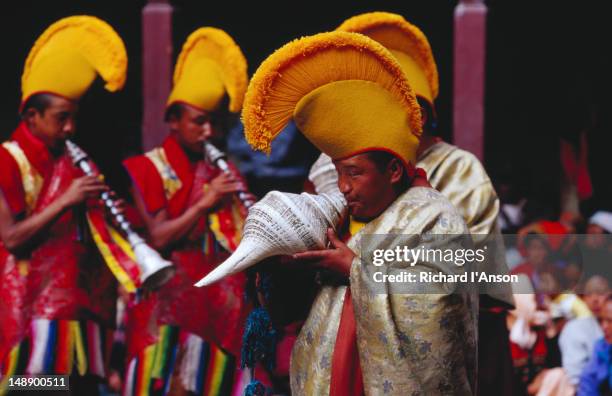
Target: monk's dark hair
{"type": "Point", "coordinates": [175, 110]}
{"type": "Point", "coordinates": [39, 102]}
{"type": "Point", "coordinates": [431, 125]}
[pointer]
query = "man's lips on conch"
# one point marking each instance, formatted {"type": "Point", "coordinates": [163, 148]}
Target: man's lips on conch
{"type": "Point", "coordinates": [352, 203]}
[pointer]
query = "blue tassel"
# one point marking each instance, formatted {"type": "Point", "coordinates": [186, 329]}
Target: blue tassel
{"type": "Point", "coordinates": [255, 388]}
{"type": "Point", "coordinates": [259, 340]}
{"type": "Point", "coordinates": [265, 284]}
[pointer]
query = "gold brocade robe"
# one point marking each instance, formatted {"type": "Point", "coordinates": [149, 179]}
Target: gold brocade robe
{"type": "Point", "coordinates": [461, 178]}
{"type": "Point", "coordinates": [409, 344]}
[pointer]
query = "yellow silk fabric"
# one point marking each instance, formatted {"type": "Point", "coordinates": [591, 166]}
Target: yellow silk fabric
{"type": "Point", "coordinates": [461, 178]}
{"type": "Point", "coordinates": [408, 343]}
{"type": "Point", "coordinates": [343, 118]}
{"type": "Point", "coordinates": [170, 180]}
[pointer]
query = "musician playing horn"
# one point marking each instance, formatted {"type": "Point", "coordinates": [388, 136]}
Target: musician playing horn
{"type": "Point", "coordinates": [193, 215]}
{"type": "Point", "coordinates": [57, 298]}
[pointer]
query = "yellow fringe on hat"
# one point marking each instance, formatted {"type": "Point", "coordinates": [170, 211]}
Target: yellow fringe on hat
{"type": "Point", "coordinates": [219, 47]}
{"type": "Point", "coordinates": [92, 38]}
{"type": "Point", "coordinates": [306, 64]}
{"type": "Point", "coordinates": [409, 39]}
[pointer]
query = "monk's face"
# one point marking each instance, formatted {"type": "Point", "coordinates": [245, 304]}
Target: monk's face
{"type": "Point", "coordinates": [367, 189]}
{"type": "Point", "coordinates": [55, 123]}
{"type": "Point", "coordinates": [195, 126]}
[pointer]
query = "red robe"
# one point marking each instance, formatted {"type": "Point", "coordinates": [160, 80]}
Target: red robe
{"type": "Point", "coordinates": [166, 179]}
{"type": "Point", "coordinates": [60, 278]}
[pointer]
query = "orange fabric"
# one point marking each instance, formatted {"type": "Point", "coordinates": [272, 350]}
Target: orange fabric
{"type": "Point", "coordinates": [346, 377]}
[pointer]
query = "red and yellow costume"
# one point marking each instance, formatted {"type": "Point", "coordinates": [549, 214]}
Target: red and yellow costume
{"type": "Point", "coordinates": [183, 333]}
{"type": "Point", "coordinates": [57, 295]}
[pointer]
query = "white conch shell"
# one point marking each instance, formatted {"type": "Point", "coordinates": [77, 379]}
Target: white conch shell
{"type": "Point", "coordinates": [324, 176]}
{"type": "Point", "coordinates": [281, 224]}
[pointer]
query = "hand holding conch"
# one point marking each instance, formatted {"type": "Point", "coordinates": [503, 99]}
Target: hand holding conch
{"type": "Point", "coordinates": [338, 257]}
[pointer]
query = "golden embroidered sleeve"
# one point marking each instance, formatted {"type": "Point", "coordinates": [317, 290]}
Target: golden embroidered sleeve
{"type": "Point", "coordinates": [422, 343]}
{"type": "Point", "coordinates": [461, 178]}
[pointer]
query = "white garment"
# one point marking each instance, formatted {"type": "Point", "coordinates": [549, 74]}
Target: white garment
{"type": "Point", "coordinates": [576, 342]}
{"type": "Point", "coordinates": [602, 219]}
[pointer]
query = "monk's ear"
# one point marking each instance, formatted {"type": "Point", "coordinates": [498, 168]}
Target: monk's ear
{"type": "Point", "coordinates": [29, 114]}
{"type": "Point", "coordinates": [173, 115]}
{"type": "Point", "coordinates": [395, 170]}
{"type": "Point", "coordinates": [173, 122]}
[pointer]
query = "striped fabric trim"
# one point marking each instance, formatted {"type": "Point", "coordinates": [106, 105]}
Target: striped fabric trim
{"type": "Point", "coordinates": [204, 369]}
{"type": "Point", "coordinates": [170, 180]}
{"type": "Point", "coordinates": [9, 368]}
{"type": "Point", "coordinates": [60, 347]}
{"type": "Point", "coordinates": [113, 249]}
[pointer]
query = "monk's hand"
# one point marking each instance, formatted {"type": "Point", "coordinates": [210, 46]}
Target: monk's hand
{"type": "Point", "coordinates": [338, 257]}
{"type": "Point", "coordinates": [220, 187]}
{"type": "Point", "coordinates": [83, 188]}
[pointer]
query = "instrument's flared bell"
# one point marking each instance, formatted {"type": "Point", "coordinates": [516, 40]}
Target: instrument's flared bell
{"type": "Point", "coordinates": [154, 270]}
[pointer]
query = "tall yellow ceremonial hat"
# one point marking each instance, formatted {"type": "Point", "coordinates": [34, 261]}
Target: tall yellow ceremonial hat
{"type": "Point", "coordinates": [346, 93]}
{"type": "Point", "coordinates": [406, 42]}
{"type": "Point", "coordinates": [210, 66]}
{"type": "Point", "coordinates": [68, 55]}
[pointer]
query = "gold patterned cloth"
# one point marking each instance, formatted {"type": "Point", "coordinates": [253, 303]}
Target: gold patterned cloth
{"type": "Point", "coordinates": [409, 344]}
{"type": "Point", "coordinates": [461, 178]}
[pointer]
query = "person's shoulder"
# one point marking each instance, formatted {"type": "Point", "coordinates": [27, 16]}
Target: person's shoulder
{"type": "Point", "coordinates": [139, 165]}
{"type": "Point", "coordinates": [8, 163]}
{"type": "Point", "coordinates": [135, 160]}
{"type": "Point", "coordinates": [430, 209]}
{"type": "Point", "coordinates": [466, 162]}
{"type": "Point", "coordinates": [584, 327]}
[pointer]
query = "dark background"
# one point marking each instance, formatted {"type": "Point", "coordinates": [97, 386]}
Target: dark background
{"type": "Point", "coordinates": [548, 74]}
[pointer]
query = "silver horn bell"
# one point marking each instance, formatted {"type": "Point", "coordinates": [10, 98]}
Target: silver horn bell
{"type": "Point", "coordinates": [154, 269]}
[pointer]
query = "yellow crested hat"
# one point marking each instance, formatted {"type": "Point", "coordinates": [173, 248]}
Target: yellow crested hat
{"type": "Point", "coordinates": [346, 93]}
{"type": "Point", "coordinates": [68, 55]}
{"type": "Point", "coordinates": [406, 42]}
{"type": "Point", "coordinates": [210, 66]}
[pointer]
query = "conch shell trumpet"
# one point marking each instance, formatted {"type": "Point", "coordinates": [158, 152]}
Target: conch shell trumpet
{"type": "Point", "coordinates": [281, 224]}
{"type": "Point", "coordinates": [324, 176]}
